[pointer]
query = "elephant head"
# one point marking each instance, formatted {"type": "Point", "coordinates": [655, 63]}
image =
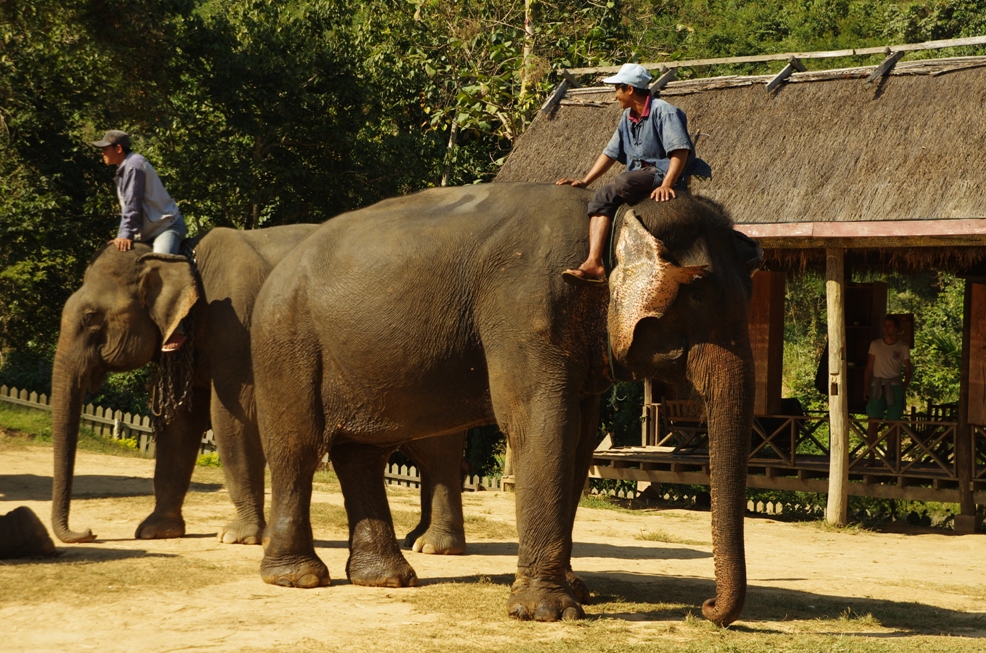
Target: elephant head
{"type": "Point", "coordinates": [129, 303]}
{"type": "Point", "coordinates": [679, 298]}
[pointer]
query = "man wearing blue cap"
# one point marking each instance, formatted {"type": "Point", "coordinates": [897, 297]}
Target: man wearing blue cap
{"type": "Point", "coordinates": [652, 141]}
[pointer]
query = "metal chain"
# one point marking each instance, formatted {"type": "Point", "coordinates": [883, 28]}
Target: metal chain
{"type": "Point", "coordinates": [171, 388]}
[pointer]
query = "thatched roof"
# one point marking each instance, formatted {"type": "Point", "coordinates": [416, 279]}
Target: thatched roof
{"type": "Point", "coordinates": [823, 157]}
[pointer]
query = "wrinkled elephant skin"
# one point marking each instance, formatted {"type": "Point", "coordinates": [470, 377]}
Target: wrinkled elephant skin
{"type": "Point", "coordinates": [433, 313]}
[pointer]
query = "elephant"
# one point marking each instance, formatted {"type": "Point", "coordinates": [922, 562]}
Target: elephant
{"type": "Point", "coordinates": [128, 304]}
{"type": "Point", "coordinates": [22, 535]}
{"type": "Point", "coordinates": [435, 312]}
{"type": "Point", "coordinates": [116, 322]}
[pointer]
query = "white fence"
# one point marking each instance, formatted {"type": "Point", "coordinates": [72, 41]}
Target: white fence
{"type": "Point", "coordinates": [118, 425]}
{"type": "Point", "coordinates": [104, 422]}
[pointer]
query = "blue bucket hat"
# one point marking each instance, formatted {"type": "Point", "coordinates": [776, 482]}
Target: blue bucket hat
{"type": "Point", "coordinates": [631, 73]}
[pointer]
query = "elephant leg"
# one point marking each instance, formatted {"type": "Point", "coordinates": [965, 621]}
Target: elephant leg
{"type": "Point", "coordinates": [243, 466]}
{"type": "Point", "coordinates": [588, 429]}
{"type": "Point", "coordinates": [440, 530]}
{"type": "Point", "coordinates": [177, 447]}
{"type": "Point", "coordinates": [542, 425]}
{"type": "Point", "coordinates": [374, 557]}
{"type": "Point", "coordinates": [289, 547]}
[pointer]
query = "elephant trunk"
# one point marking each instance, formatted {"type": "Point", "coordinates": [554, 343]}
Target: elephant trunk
{"type": "Point", "coordinates": [724, 376]}
{"type": "Point", "coordinates": [68, 386]}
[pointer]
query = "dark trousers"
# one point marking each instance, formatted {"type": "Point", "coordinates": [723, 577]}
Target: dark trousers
{"type": "Point", "coordinates": [627, 188]}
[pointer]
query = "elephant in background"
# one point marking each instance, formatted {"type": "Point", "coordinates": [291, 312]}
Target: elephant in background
{"type": "Point", "coordinates": [22, 535]}
{"type": "Point", "coordinates": [127, 305]}
{"type": "Point", "coordinates": [432, 313]}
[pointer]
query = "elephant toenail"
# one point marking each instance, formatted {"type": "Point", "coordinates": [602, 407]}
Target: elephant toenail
{"type": "Point", "coordinates": [284, 581]}
{"type": "Point", "coordinates": [572, 614]}
{"type": "Point", "coordinates": [308, 580]}
{"type": "Point", "coordinates": [520, 612]}
{"type": "Point", "coordinates": [546, 613]}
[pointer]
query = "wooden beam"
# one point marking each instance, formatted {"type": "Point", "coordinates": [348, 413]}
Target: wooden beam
{"type": "Point", "coordinates": [866, 229]}
{"type": "Point", "coordinates": [884, 68]}
{"type": "Point", "coordinates": [826, 54]}
{"type": "Point", "coordinates": [555, 97]}
{"type": "Point", "coordinates": [838, 499]}
{"type": "Point", "coordinates": [793, 63]}
{"type": "Point", "coordinates": [662, 81]}
{"type": "Point", "coordinates": [972, 383]}
{"type": "Point", "coordinates": [572, 83]}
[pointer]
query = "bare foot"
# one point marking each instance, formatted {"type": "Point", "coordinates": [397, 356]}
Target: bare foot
{"type": "Point", "coordinates": [580, 277]}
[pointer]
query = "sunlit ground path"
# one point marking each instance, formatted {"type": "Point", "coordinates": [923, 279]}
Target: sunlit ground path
{"type": "Point", "coordinates": [811, 588]}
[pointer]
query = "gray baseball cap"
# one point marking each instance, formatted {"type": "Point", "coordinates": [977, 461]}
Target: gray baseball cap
{"type": "Point", "coordinates": [631, 73]}
{"type": "Point", "coordinates": [114, 137]}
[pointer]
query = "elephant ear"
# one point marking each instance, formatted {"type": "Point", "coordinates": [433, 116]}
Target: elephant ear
{"type": "Point", "coordinates": [167, 289]}
{"type": "Point", "coordinates": [749, 252]}
{"type": "Point", "coordinates": [643, 283]}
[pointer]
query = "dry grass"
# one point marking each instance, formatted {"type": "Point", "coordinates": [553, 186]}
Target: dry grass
{"type": "Point", "coordinates": [658, 535]}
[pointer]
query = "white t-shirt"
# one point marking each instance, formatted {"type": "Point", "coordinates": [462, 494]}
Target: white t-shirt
{"type": "Point", "coordinates": [888, 360]}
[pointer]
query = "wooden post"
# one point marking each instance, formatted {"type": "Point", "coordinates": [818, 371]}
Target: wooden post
{"type": "Point", "coordinates": [971, 374]}
{"type": "Point", "coordinates": [767, 340]}
{"type": "Point", "coordinates": [838, 500]}
{"type": "Point", "coordinates": [645, 425]}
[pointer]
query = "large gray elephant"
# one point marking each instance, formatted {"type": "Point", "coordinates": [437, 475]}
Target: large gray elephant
{"type": "Point", "coordinates": [129, 303]}
{"type": "Point", "coordinates": [446, 309]}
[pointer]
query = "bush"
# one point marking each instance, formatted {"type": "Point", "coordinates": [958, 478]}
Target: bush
{"type": "Point", "coordinates": [210, 459]}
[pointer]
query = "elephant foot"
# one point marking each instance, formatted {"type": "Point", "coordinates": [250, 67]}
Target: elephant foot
{"type": "Point", "coordinates": [436, 543]}
{"type": "Point", "coordinates": [543, 600]}
{"type": "Point", "coordinates": [413, 536]}
{"type": "Point", "coordinates": [241, 531]}
{"type": "Point", "coordinates": [158, 527]}
{"type": "Point", "coordinates": [579, 588]}
{"type": "Point", "coordinates": [380, 571]}
{"type": "Point", "coordinates": [24, 536]}
{"type": "Point", "coordinates": [296, 571]}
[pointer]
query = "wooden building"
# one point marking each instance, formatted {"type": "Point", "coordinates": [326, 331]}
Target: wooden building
{"type": "Point", "coordinates": [837, 170]}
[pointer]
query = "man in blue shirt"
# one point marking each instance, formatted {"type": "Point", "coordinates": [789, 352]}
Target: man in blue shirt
{"type": "Point", "coordinates": [147, 212]}
{"type": "Point", "coordinates": [652, 141]}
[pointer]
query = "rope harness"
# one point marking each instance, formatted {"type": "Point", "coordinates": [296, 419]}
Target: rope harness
{"type": "Point", "coordinates": [171, 385]}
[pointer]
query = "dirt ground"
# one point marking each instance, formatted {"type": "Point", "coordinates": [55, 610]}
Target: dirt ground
{"type": "Point", "coordinates": [810, 587]}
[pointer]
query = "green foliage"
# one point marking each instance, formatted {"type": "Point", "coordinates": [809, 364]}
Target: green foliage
{"type": "Point", "coordinates": [620, 411]}
{"type": "Point", "coordinates": [210, 459]}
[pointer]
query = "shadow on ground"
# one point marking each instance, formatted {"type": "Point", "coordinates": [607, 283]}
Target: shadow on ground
{"type": "Point", "coordinates": [31, 487]}
{"type": "Point", "coordinates": [673, 598]}
{"type": "Point", "coordinates": [595, 550]}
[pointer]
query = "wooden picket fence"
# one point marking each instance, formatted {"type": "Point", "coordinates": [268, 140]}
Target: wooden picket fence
{"type": "Point", "coordinates": [104, 422]}
{"type": "Point", "coordinates": [118, 425]}
{"type": "Point", "coordinates": [409, 476]}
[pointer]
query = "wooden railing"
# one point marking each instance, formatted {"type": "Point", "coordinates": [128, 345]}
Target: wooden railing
{"type": "Point", "coordinates": [918, 446]}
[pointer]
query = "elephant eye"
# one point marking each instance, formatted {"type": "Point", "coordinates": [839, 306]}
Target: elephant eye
{"type": "Point", "coordinates": [90, 318]}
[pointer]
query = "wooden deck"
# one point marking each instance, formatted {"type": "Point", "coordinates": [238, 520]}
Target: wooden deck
{"type": "Point", "coordinates": [912, 459]}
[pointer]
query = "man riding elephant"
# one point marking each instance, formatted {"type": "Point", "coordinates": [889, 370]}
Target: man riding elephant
{"type": "Point", "coordinates": [652, 140]}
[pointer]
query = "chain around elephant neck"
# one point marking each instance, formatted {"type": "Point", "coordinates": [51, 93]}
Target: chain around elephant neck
{"type": "Point", "coordinates": [171, 389]}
